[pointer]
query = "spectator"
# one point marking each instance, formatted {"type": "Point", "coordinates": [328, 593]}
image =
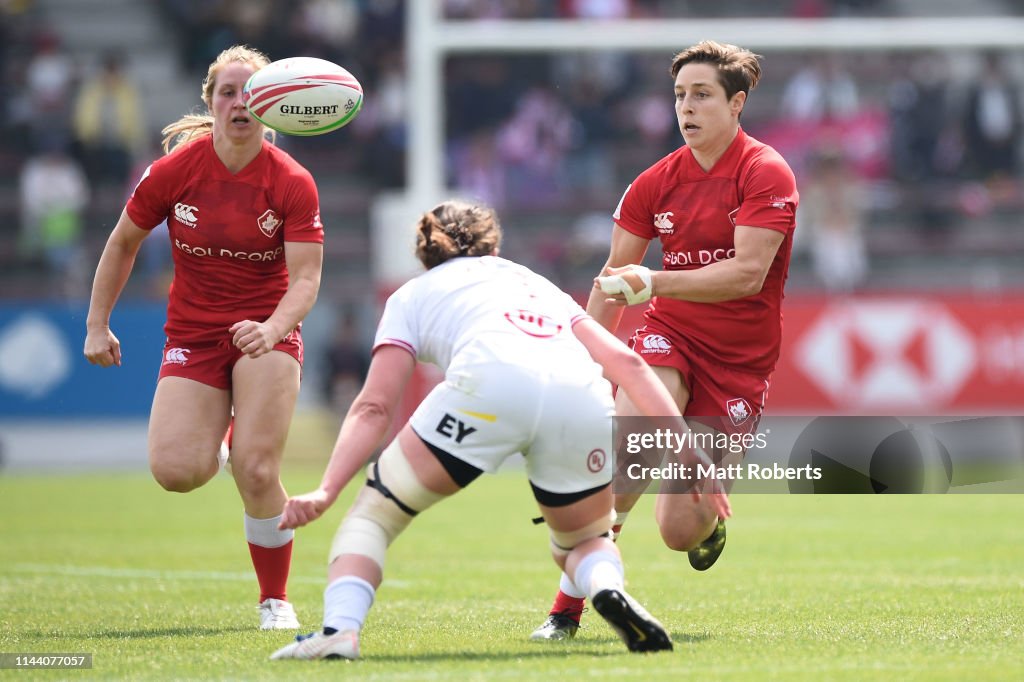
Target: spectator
{"type": "Point", "coordinates": [534, 144]}
{"type": "Point", "coordinates": [590, 163]}
{"type": "Point", "coordinates": [321, 26]}
{"type": "Point", "coordinates": [109, 123]}
{"type": "Point", "coordinates": [382, 123]}
{"type": "Point", "coordinates": [924, 152]}
{"type": "Point", "coordinates": [480, 95]}
{"type": "Point", "coordinates": [53, 193]}
{"type": "Point", "coordinates": [596, 9]}
{"type": "Point", "coordinates": [477, 169]}
{"type": "Point", "coordinates": [347, 364]}
{"type": "Point", "coordinates": [820, 92]}
{"type": "Point", "coordinates": [49, 77]}
{"type": "Point", "coordinates": [831, 215]}
{"type": "Point", "coordinates": [992, 123]}
{"type": "Point", "coordinates": [919, 110]}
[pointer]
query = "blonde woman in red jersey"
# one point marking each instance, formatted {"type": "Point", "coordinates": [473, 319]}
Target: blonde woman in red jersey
{"type": "Point", "coordinates": [244, 224]}
{"type": "Point", "coordinates": [723, 206]}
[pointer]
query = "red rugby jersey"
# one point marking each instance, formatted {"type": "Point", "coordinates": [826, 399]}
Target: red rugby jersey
{"type": "Point", "coordinates": [227, 233]}
{"type": "Point", "coordinates": [694, 214]}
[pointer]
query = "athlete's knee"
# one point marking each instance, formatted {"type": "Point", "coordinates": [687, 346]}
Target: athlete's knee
{"type": "Point", "coordinates": [254, 474]}
{"type": "Point", "coordinates": [564, 542]}
{"type": "Point", "coordinates": [176, 479]}
{"type": "Point", "coordinates": [684, 534]}
{"type": "Point", "coordinates": [384, 508]}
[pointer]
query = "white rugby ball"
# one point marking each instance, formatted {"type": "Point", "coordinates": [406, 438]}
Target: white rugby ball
{"type": "Point", "coordinates": [303, 96]}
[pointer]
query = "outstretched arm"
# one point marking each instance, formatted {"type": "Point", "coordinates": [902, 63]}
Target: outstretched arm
{"type": "Point", "coordinates": [737, 277]}
{"type": "Point", "coordinates": [365, 426]}
{"type": "Point", "coordinates": [645, 390]}
{"type": "Point", "coordinates": [626, 369]}
{"type": "Point", "coordinates": [101, 346]}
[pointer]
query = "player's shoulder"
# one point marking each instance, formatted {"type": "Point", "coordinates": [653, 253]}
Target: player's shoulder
{"type": "Point", "coordinates": [184, 157]}
{"type": "Point", "coordinates": [508, 273]}
{"type": "Point", "coordinates": [668, 164]}
{"type": "Point", "coordinates": [668, 170]}
{"type": "Point", "coordinates": [182, 163]}
{"type": "Point", "coordinates": [283, 164]}
{"type": "Point", "coordinates": [499, 267]}
{"type": "Point", "coordinates": [412, 287]}
{"type": "Point", "coordinates": [760, 156]}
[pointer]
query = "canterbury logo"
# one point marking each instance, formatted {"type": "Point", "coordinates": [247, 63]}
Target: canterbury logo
{"type": "Point", "coordinates": [662, 222]}
{"type": "Point", "coordinates": [655, 343]}
{"type": "Point", "coordinates": [186, 214]}
{"type": "Point", "coordinates": [176, 356]}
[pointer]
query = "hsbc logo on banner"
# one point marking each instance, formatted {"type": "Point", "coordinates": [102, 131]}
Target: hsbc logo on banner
{"type": "Point", "coordinates": [887, 354]}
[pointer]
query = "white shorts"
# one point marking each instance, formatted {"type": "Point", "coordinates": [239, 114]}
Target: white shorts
{"type": "Point", "coordinates": [560, 420]}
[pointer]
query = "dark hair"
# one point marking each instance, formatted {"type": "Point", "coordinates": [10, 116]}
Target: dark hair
{"type": "Point", "coordinates": [738, 69]}
{"type": "Point", "coordinates": [455, 228]}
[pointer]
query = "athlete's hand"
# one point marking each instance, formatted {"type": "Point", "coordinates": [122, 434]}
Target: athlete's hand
{"type": "Point", "coordinates": [102, 347]}
{"type": "Point", "coordinates": [720, 503]}
{"type": "Point", "coordinates": [714, 491]}
{"type": "Point", "coordinates": [627, 285]}
{"type": "Point", "coordinates": [303, 509]}
{"type": "Point", "coordinates": [254, 338]}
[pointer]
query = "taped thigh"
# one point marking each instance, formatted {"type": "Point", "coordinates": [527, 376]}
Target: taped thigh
{"type": "Point", "coordinates": [394, 478]}
{"type": "Point", "coordinates": [563, 542]}
{"type": "Point", "coordinates": [383, 509]}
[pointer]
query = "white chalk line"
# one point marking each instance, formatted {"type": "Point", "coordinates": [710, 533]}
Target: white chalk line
{"type": "Point", "coordinates": [163, 574]}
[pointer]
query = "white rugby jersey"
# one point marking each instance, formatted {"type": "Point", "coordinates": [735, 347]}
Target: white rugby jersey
{"type": "Point", "coordinates": [507, 308]}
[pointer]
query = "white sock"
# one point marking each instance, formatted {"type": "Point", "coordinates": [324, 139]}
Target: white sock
{"type": "Point", "coordinates": [347, 600]}
{"type": "Point", "coordinates": [569, 589]}
{"type": "Point", "coordinates": [264, 532]}
{"type": "Point", "coordinates": [600, 570]}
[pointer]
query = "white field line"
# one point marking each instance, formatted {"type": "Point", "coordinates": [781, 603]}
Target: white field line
{"type": "Point", "coordinates": [149, 574]}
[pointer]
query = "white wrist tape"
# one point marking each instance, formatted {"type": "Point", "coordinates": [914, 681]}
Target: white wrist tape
{"type": "Point", "coordinates": [617, 284]}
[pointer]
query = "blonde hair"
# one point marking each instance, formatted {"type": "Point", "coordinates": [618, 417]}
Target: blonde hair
{"type": "Point", "coordinates": [193, 126]}
{"type": "Point", "coordinates": [456, 228]}
{"type": "Point", "coordinates": [738, 69]}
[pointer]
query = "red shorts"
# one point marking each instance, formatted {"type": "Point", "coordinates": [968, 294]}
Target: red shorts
{"type": "Point", "coordinates": [211, 363]}
{"type": "Point", "coordinates": [724, 399]}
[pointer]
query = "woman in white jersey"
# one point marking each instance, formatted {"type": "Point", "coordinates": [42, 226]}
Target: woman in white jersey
{"type": "Point", "coordinates": [523, 374]}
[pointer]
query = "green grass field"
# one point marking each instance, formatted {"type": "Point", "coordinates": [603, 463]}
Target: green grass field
{"type": "Point", "coordinates": [159, 586]}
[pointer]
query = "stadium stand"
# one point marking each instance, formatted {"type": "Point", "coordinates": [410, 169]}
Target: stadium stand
{"type": "Point", "coordinates": [531, 134]}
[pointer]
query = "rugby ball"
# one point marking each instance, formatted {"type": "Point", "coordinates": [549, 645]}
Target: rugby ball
{"type": "Point", "coordinates": [303, 96]}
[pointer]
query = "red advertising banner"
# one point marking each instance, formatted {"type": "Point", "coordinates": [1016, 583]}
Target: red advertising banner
{"type": "Point", "coordinates": [892, 354]}
{"type": "Point", "coordinates": [897, 353]}
{"type": "Point", "coordinates": [901, 354]}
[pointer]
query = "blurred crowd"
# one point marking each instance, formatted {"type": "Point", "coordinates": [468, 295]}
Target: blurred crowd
{"type": "Point", "coordinates": [923, 140]}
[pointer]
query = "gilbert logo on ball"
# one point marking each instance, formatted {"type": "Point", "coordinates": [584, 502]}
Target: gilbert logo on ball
{"type": "Point", "coordinates": [303, 96]}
